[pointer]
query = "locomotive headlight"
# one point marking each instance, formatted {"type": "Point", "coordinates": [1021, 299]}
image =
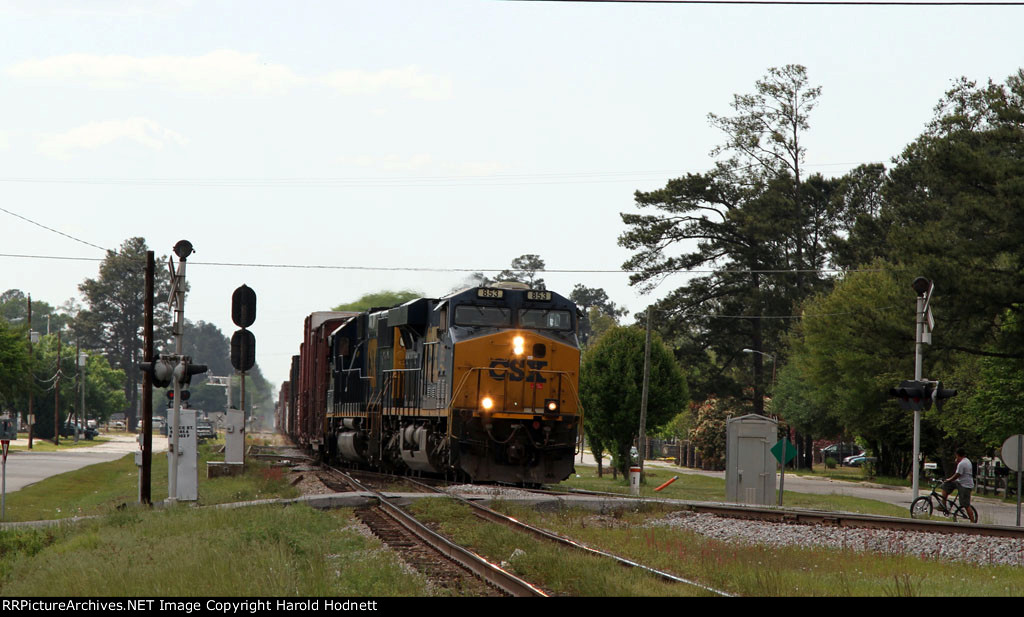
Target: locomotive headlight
{"type": "Point", "coordinates": [518, 345]}
{"type": "Point", "coordinates": [551, 405]}
{"type": "Point", "coordinates": [487, 403]}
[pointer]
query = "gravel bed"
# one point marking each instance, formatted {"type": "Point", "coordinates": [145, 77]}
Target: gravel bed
{"type": "Point", "coordinates": [982, 550]}
{"type": "Point", "coordinates": [490, 490]}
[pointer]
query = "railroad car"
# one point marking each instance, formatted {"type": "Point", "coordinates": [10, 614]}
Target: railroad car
{"type": "Point", "coordinates": [479, 385]}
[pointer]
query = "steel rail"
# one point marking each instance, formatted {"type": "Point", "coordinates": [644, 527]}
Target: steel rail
{"type": "Point", "coordinates": [504, 580]}
{"type": "Point", "coordinates": [820, 517]}
{"type": "Point", "coordinates": [544, 534]}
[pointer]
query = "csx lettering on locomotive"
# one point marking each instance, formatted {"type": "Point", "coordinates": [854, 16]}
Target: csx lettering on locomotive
{"type": "Point", "coordinates": [516, 370]}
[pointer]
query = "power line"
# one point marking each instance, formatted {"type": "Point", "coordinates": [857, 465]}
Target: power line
{"type": "Point", "coordinates": [51, 229]}
{"type": "Point", "coordinates": [498, 179]}
{"type": "Point", "coordinates": [785, 2]}
{"type": "Point", "coordinates": [471, 270]}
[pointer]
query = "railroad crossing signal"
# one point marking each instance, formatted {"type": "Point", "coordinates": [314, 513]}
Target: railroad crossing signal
{"type": "Point", "coordinates": [161, 371]}
{"type": "Point", "coordinates": [185, 370]}
{"type": "Point", "coordinates": [938, 395]}
{"type": "Point", "coordinates": [920, 395]}
{"type": "Point", "coordinates": [910, 395]}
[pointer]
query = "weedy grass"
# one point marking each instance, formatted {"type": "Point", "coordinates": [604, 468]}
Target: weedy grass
{"type": "Point", "coordinates": [103, 488]}
{"type": "Point", "coordinates": [557, 570]}
{"type": "Point", "coordinates": [761, 570]}
{"type": "Point", "coordinates": [66, 443]}
{"type": "Point", "coordinates": [184, 551]}
{"type": "Point", "coordinates": [695, 487]}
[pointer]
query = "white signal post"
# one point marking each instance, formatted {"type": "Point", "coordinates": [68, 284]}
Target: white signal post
{"type": "Point", "coordinates": [925, 323]}
{"type": "Point", "coordinates": [177, 300]}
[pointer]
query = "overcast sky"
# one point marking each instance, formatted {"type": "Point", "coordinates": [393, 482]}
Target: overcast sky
{"type": "Point", "coordinates": [442, 135]}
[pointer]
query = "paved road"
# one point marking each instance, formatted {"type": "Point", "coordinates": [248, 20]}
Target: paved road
{"type": "Point", "coordinates": [990, 511]}
{"type": "Point", "coordinates": [29, 466]}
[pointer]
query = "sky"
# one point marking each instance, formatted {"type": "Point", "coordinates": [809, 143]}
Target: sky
{"type": "Point", "coordinates": [317, 151]}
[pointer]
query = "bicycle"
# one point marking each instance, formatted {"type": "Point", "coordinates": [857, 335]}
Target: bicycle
{"type": "Point", "coordinates": [923, 507]}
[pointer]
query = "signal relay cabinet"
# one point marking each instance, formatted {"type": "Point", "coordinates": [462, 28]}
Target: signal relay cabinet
{"type": "Point", "coordinates": [749, 463]}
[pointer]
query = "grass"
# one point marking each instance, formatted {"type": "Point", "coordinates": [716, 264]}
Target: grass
{"type": "Point", "coordinates": [101, 489]}
{"type": "Point", "coordinates": [182, 552]}
{"type": "Point", "coordinates": [695, 487]}
{"type": "Point", "coordinates": [275, 551]}
{"type": "Point", "coordinates": [748, 570]}
{"type": "Point", "coordinates": [66, 443]}
{"type": "Point", "coordinates": [559, 571]}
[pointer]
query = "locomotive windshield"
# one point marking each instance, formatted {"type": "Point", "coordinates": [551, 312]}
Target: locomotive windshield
{"type": "Point", "coordinates": [492, 316]}
{"type": "Point", "coordinates": [545, 319]}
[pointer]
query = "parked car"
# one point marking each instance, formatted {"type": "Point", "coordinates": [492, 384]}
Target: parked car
{"type": "Point", "coordinates": [848, 461]}
{"type": "Point", "coordinates": [858, 461]}
{"type": "Point", "coordinates": [204, 430]}
{"type": "Point", "coordinates": [68, 430]}
{"type": "Point", "coordinates": [839, 451]}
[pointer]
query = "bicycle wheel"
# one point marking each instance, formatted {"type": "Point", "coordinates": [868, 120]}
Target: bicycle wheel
{"type": "Point", "coordinates": [921, 508]}
{"type": "Point", "coordinates": [961, 513]}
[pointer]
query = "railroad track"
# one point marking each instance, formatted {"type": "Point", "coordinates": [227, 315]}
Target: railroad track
{"type": "Point", "coordinates": [402, 531]}
{"type": "Point", "coordinates": [497, 517]}
{"type": "Point", "coordinates": [815, 517]}
{"type": "Point", "coordinates": [763, 513]}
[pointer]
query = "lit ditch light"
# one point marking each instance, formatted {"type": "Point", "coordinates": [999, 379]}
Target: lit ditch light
{"type": "Point", "coordinates": [487, 403]}
{"type": "Point", "coordinates": [518, 345]}
{"type": "Point", "coordinates": [551, 405]}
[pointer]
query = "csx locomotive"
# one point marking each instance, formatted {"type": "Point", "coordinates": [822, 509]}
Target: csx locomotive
{"type": "Point", "coordinates": [479, 385]}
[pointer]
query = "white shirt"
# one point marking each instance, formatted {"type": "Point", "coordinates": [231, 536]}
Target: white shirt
{"type": "Point", "coordinates": [966, 472]}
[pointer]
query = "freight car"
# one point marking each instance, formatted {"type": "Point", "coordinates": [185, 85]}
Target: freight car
{"type": "Point", "coordinates": [479, 385]}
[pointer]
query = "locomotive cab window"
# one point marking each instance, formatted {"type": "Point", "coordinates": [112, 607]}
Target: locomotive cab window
{"type": "Point", "coordinates": [492, 316]}
{"type": "Point", "coordinates": [545, 319]}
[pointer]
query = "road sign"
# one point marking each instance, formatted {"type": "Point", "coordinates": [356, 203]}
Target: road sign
{"type": "Point", "coordinates": [788, 455]}
{"type": "Point", "coordinates": [1011, 452]}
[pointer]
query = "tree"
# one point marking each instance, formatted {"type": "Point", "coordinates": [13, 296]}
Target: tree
{"type": "Point", "coordinates": [599, 312]}
{"type": "Point", "coordinates": [524, 270]}
{"type": "Point", "coordinates": [764, 140]}
{"type": "Point", "coordinates": [113, 319]}
{"type": "Point", "coordinates": [850, 347]}
{"type": "Point", "coordinates": [14, 360]}
{"type": "Point", "coordinates": [611, 385]}
{"type": "Point", "coordinates": [104, 393]}
{"type": "Point", "coordinates": [379, 299]}
{"type": "Point", "coordinates": [708, 433]}
{"type": "Point", "coordinates": [953, 207]}
{"type": "Point", "coordinates": [753, 214]}
{"type": "Point", "coordinates": [14, 308]}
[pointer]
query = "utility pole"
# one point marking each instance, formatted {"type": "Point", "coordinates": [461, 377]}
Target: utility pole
{"type": "Point", "coordinates": [145, 482]}
{"type": "Point", "coordinates": [31, 383]}
{"type": "Point", "coordinates": [81, 384]}
{"type": "Point", "coordinates": [56, 398]}
{"type": "Point", "coordinates": [643, 395]}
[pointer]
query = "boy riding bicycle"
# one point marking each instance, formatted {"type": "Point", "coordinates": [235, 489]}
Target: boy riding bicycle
{"type": "Point", "coordinates": [963, 482]}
